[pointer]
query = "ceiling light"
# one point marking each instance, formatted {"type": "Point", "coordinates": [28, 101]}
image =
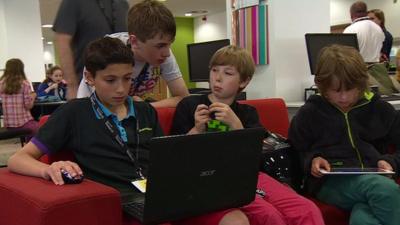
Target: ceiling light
{"type": "Point", "coordinates": [197, 12]}
{"type": "Point", "coordinates": [188, 14]}
{"type": "Point", "coordinates": [47, 25]}
{"type": "Point", "coordinates": [49, 42]}
{"type": "Point", "coordinates": [42, 38]}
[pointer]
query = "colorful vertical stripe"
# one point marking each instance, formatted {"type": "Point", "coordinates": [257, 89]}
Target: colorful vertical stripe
{"type": "Point", "coordinates": [250, 31]}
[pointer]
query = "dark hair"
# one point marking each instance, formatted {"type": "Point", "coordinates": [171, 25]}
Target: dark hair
{"type": "Point", "coordinates": [105, 51]}
{"type": "Point", "coordinates": [150, 18]}
{"type": "Point", "coordinates": [13, 76]}
{"type": "Point", "coordinates": [358, 9]}
{"type": "Point", "coordinates": [50, 72]}
{"type": "Point", "coordinates": [343, 64]}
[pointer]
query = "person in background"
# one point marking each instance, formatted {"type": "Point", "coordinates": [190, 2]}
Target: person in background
{"type": "Point", "coordinates": [80, 125]}
{"type": "Point", "coordinates": [79, 22]}
{"type": "Point", "coordinates": [17, 97]}
{"type": "Point", "coordinates": [398, 65]}
{"type": "Point", "coordinates": [369, 35]}
{"type": "Point", "coordinates": [151, 31]}
{"type": "Point", "coordinates": [231, 69]}
{"type": "Point", "coordinates": [53, 85]}
{"type": "Point", "coordinates": [347, 125]}
{"type": "Point", "coordinates": [378, 17]}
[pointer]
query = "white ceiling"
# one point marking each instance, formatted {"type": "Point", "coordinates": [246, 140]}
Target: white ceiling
{"type": "Point", "coordinates": [49, 9]}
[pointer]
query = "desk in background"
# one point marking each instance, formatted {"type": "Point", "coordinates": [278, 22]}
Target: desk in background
{"type": "Point", "coordinates": [41, 108]}
{"type": "Point", "coordinates": [45, 108]}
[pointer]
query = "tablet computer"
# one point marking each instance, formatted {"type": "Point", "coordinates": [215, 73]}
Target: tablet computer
{"type": "Point", "coordinates": [356, 171]}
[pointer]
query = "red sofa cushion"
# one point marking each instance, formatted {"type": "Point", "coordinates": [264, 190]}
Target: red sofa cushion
{"type": "Point", "coordinates": [165, 118]}
{"type": "Point", "coordinates": [30, 200]}
{"type": "Point", "coordinates": [273, 114]}
{"type": "Point", "coordinates": [332, 215]}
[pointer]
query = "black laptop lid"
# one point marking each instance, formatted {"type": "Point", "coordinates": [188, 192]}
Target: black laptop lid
{"type": "Point", "coordinates": [195, 174]}
{"type": "Point", "coordinates": [316, 41]}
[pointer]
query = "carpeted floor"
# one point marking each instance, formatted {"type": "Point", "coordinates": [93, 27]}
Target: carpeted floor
{"type": "Point", "coordinates": [7, 148]}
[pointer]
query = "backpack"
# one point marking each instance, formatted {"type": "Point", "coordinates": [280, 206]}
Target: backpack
{"type": "Point", "coordinates": [281, 161]}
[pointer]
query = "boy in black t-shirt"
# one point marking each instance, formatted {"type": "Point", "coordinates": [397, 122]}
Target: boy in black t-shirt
{"type": "Point", "coordinates": [101, 153]}
{"type": "Point", "coordinates": [231, 69]}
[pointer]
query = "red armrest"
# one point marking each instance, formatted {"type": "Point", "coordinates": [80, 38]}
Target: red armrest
{"type": "Point", "coordinates": [34, 201]}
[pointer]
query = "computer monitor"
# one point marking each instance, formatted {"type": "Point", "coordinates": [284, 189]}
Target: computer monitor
{"type": "Point", "coordinates": [199, 55]}
{"type": "Point", "coordinates": [316, 41]}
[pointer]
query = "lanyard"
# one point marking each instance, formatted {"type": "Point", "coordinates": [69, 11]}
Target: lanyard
{"type": "Point", "coordinates": [111, 127]}
{"type": "Point", "coordinates": [361, 19]}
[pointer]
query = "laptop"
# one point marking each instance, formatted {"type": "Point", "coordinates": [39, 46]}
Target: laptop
{"type": "Point", "coordinates": [191, 175]}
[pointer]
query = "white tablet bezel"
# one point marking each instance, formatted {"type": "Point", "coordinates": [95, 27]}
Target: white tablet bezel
{"type": "Point", "coordinates": [355, 171]}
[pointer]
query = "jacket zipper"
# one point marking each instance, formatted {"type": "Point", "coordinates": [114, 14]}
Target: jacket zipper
{"type": "Point", "coordinates": [349, 129]}
{"type": "Point", "coordinates": [351, 139]}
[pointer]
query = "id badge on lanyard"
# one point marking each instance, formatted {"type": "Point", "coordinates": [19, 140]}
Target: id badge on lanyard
{"type": "Point", "coordinates": [139, 183]}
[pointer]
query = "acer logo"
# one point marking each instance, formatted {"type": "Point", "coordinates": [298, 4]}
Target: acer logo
{"type": "Point", "coordinates": [207, 173]}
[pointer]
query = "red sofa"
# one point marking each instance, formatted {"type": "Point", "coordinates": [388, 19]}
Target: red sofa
{"type": "Point", "coordinates": [34, 201]}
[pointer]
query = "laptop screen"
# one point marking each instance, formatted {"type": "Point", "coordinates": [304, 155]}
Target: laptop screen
{"type": "Point", "coordinates": [191, 175]}
{"type": "Point", "coordinates": [316, 41]}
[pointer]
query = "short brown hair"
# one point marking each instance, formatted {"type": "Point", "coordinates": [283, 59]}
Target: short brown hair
{"type": "Point", "coordinates": [358, 9]}
{"type": "Point", "coordinates": [237, 57]}
{"type": "Point", "coordinates": [343, 64]}
{"type": "Point", "coordinates": [150, 18]}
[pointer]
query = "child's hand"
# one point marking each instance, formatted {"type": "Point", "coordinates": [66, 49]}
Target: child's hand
{"type": "Point", "coordinates": [54, 86]}
{"type": "Point", "coordinates": [317, 164]}
{"type": "Point", "coordinates": [33, 95]}
{"type": "Point", "coordinates": [225, 114]}
{"type": "Point", "coordinates": [137, 99]}
{"type": "Point", "coordinates": [53, 171]}
{"type": "Point", "coordinates": [201, 117]}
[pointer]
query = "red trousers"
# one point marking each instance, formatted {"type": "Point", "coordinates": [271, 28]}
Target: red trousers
{"type": "Point", "coordinates": [281, 206]}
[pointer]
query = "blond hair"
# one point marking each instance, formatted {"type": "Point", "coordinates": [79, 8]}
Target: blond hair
{"type": "Point", "coordinates": [237, 57]}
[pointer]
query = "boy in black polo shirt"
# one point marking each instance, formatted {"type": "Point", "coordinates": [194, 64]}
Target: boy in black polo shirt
{"type": "Point", "coordinates": [78, 126]}
{"type": "Point", "coordinates": [111, 156]}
